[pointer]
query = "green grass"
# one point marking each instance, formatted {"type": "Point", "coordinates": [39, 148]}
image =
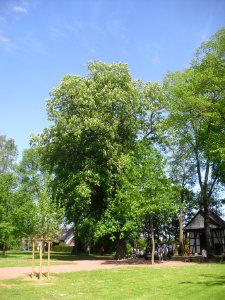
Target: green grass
{"type": "Point", "coordinates": [203, 281]}
{"type": "Point", "coordinates": [24, 258]}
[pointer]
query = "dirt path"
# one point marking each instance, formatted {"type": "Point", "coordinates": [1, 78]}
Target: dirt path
{"type": "Point", "coordinates": [86, 265]}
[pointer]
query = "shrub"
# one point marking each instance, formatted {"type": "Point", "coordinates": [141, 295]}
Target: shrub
{"type": "Point", "coordinates": [129, 248]}
{"type": "Point", "coordinates": [141, 244]}
{"type": "Point", "coordinates": [62, 247]}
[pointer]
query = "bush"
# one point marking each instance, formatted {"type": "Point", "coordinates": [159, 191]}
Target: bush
{"type": "Point", "coordinates": [129, 248]}
{"type": "Point", "coordinates": [62, 247]}
{"type": "Point", "coordinates": [141, 244]}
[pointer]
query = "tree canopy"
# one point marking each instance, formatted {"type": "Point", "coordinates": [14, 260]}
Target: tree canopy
{"type": "Point", "coordinates": [97, 121]}
{"type": "Point", "coordinates": [195, 101]}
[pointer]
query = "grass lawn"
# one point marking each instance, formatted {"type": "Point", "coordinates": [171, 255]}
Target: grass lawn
{"type": "Point", "coordinates": [203, 281]}
{"type": "Point", "coordinates": [24, 258]}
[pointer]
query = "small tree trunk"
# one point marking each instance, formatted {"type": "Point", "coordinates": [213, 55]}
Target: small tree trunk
{"type": "Point", "coordinates": [75, 249]}
{"type": "Point", "coordinates": [181, 236]}
{"type": "Point", "coordinates": [153, 240]}
{"type": "Point", "coordinates": [43, 247]}
{"type": "Point", "coordinates": [121, 248]}
{"type": "Point", "coordinates": [4, 248]}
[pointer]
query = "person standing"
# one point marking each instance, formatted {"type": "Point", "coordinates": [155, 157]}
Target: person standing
{"type": "Point", "coordinates": [160, 254]}
{"type": "Point", "coordinates": [204, 255]}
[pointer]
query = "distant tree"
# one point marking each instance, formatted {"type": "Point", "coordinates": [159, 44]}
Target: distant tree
{"type": "Point", "coordinates": [14, 205]}
{"type": "Point", "coordinates": [46, 215]}
{"type": "Point", "coordinates": [181, 169]}
{"type": "Point", "coordinates": [157, 198]}
{"type": "Point", "coordinates": [7, 226]}
{"type": "Point", "coordinates": [8, 154]}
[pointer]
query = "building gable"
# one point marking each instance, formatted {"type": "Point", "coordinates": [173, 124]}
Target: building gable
{"type": "Point", "coordinates": [197, 222]}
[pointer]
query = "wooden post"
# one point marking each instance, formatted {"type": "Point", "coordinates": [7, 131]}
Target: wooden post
{"type": "Point", "coordinates": [40, 273]}
{"type": "Point", "coordinates": [49, 249]}
{"type": "Point", "coordinates": [33, 245]}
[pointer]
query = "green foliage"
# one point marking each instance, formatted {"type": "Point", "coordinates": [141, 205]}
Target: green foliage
{"type": "Point", "coordinates": [129, 248]}
{"type": "Point", "coordinates": [15, 211]}
{"type": "Point", "coordinates": [195, 123]}
{"type": "Point", "coordinates": [90, 146]}
{"type": "Point", "coordinates": [195, 99]}
{"type": "Point", "coordinates": [141, 244]}
{"type": "Point", "coordinates": [8, 184]}
{"type": "Point", "coordinates": [8, 153]}
{"type": "Point", "coordinates": [45, 215]}
{"type": "Point", "coordinates": [156, 192]}
{"type": "Point", "coordinates": [62, 247]}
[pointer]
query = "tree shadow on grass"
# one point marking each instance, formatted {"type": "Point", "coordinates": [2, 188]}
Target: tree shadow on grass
{"type": "Point", "coordinates": [60, 256]}
{"type": "Point", "coordinates": [63, 256]}
{"type": "Point", "coordinates": [208, 280]}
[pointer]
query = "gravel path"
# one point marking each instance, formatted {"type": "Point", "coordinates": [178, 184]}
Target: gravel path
{"type": "Point", "coordinates": [87, 265]}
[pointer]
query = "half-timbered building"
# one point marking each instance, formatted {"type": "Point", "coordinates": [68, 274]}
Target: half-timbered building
{"type": "Point", "coordinates": [194, 232]}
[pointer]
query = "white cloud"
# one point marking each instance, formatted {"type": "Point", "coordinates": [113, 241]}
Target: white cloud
{"type": "Point", "coordinates": [20, 9]}
{"type": "Point", "coordinates": [3, 39]}
{"type": "Point", "coordinates": [5, 43]}
{"type": "Point", "coordinates": [10, 15]}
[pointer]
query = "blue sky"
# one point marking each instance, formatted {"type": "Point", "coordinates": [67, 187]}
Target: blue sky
{"type": "Point", "coordinates": [43, 40]}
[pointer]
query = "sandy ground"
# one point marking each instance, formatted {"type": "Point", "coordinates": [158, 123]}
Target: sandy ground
{"type": "Point", "coordinates": [87, 265]}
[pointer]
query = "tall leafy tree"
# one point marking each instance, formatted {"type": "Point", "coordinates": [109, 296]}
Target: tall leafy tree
{"type": "Point", "coordinates": [196, 117]}
{"type": "Point", "coordinates": [96, 121]}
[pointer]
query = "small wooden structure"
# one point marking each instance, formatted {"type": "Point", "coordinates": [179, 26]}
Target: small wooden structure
{"type": "Point", "coordinates": [41, 242]}
{"type": "Point", "coordinates": [194, 232]}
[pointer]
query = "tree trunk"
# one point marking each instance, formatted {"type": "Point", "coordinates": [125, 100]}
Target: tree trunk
{"type": "Point", "coordinates": [181, 236]}
{"type": "Point", "coordinates": [153, 240]}
{"type": "Point", "coordinates": [208, 241]}
{"type": "Point", "coordinates": [75, 249]}
{"type": "Point", "coordinates": [205, 203]}
{"type": "Point", "coordinates": [121, 248]}
{"type": "Point", "coordinates": [3, 248]}
{"type": "Point", "coordinates": [205, 200]}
